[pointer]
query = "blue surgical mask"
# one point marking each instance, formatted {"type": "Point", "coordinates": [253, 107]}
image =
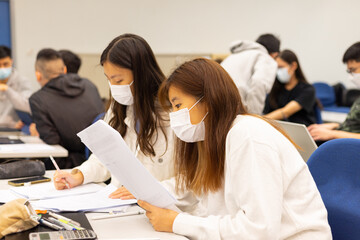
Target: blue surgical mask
{"type": "Point", "coordinates": [283, 75]}
{"type": "Point", "coordinates": [5, 73]}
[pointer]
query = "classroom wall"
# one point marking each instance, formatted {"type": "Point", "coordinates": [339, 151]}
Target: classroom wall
{"type": "Point", "coordinates": [318, 31]}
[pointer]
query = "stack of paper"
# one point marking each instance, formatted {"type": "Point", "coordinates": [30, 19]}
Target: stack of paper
{"type": "Point", "coordinates": [83, 202]}
{"type": "Point", "coordinates": [88, 197]}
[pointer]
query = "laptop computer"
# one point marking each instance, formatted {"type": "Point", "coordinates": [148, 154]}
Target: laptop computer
{"type": "Point", "coordinates": [301, 136]}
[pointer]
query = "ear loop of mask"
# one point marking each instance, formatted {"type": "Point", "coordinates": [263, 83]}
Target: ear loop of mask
{"type": "Point", "coordinates": [195, 105]}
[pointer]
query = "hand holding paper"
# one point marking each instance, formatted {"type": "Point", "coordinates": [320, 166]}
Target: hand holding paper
{"type": "Point", "coordinates": [110, 148]}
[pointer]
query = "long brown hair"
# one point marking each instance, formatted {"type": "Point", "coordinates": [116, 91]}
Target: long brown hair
{"type": "Point", "coordinates": [200, 166]}
{"type": "Point", "coordinates": [133, 52]}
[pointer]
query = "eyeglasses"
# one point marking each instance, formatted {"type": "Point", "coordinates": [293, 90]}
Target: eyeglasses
{"type": "Point", "coordinates": [352, 70]}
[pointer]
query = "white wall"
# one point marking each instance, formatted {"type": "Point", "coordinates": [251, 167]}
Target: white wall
{"type": "Point", "coordinates": [319, 31]}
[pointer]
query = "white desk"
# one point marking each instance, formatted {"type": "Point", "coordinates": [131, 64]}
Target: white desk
{"type": "Point", "coordinates": [333, 116]}
{"type": "Point", "coordinates": [130, 227]}
{"type": "Point", "coordinates": [33, 147]}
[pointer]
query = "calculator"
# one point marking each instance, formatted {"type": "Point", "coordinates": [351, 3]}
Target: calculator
{"type": "Point", "coordinates": [76, 234]}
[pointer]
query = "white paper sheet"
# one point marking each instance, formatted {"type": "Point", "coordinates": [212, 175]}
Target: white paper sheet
{"type": "Point", "coordinates": [7, 196]}
{"type": "Point", "coordinates": [47, 190]}
{"type": "Point", "coordinates": [110, 148]}
{"type": "Point", "coordinates": [84, 202]}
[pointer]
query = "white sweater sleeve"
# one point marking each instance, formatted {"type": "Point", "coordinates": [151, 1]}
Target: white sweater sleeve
{"type": "Point", "coordinates": [253, 185]}
{"type": "Point", "coordinates": [93, 170]}
{"type": "Point", "coordinates": [20, 99]}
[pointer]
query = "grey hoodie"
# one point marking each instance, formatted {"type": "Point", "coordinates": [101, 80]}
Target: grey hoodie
{"type": "Point", "coordinates": [253, 71]}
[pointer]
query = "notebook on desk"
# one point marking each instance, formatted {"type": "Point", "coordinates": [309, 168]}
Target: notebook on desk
{"type": "Point", "coordinates": [78, 216]}
{"type": "Point", "coordinates": [301, 136]}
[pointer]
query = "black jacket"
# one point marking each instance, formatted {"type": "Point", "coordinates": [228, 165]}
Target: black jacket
{"type": "Point", "coordinates": [63, 107]}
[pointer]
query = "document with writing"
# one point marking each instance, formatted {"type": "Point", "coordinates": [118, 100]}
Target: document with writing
{"type": "Point", "coordinates": [110, 148]}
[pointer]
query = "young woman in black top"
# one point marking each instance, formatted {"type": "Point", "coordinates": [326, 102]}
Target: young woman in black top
{"type": "Point", "coordinates": [291, 98]}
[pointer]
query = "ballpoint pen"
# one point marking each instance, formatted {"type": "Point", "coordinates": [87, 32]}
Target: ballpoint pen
{"type": "Point", "coordinates": [118, 215]}
{"type": "Point", "coordinates": [58, 169]}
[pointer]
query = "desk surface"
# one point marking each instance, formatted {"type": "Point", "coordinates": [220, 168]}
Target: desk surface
{"type": "Point", "coordinates": [33, 147]}
{"type": "Point", "coordinates": [333, 116]}
{"type": "Point", "coordinates": [130, 227]}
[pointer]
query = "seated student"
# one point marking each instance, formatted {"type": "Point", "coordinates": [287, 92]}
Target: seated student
{"type": "Point", "coordinates": [236, 174]}
{"type": "Point", "coordinates": [252, 67]}
{"type": "Point", "coordinates": [134, 77]}
{"type": "Point", "coordinates": [291, 98]}
{"type": "Point", "coordinates": [350, 128]}
{"type": "Point", "coordinates": [71, 61]}
{"type": "Point", "coordinates": [65, 105]}
{"type": "Point", "coordinates": [15, 91]}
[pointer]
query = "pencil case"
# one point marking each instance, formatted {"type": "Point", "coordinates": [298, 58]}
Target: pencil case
{"type": "Point", "coordinates": [22, 168]}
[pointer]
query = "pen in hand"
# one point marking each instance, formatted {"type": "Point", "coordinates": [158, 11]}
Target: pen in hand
{"type": "Point", "coordinates": [58, 169]}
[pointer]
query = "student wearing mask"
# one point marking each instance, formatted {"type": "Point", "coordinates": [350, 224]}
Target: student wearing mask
{"type": "Point", "coordinates": [15, 91]}
{"type": "Point", "coordinates": [291, 98]}
{"type": "Point", "coordinates": [237, 176]}
{"type": "Point", "coordinates": [252, 67]}
{"type": "Point", "coordinates": [134, 78]}
{"type": "Point", "coordinates": [350, 128]}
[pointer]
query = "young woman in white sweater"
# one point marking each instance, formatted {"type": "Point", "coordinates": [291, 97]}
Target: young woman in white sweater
{"type": "Point", "coordinates": [237, 176]}
{"type": "Point", "coordinates": [134, 78]}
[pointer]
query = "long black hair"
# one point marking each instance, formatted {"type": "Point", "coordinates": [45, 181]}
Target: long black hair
{"type": "Point", "coordinates": [289, 57]}
{"type": "Point", "coordinates": [134, 53]}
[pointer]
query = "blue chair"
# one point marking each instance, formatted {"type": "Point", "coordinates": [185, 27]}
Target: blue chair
{"type": "Point", "coordinates": [98, 117]}
{"type": "Point", "coordinates": [326, 94]}
{"type": "Point", "coordinates": [318, 114]}
{"type": "Point", "coordinates": [335, 167]}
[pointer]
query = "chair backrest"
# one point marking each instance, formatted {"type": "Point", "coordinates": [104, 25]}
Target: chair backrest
{"type": "Point", "coordinates": [325, 93]}
{"type": "Point", "coordinates": [340, 93]}
{"type": "Point", "coordinates": [318, 114]}
{"type": "Point", "coordinates": [335, 167]}
{"type": "Point", "coordinates": [351, 96]}
{"type": "Point", "coordinates": [98, 117]}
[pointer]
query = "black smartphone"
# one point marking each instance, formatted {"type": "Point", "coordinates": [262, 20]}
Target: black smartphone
{"type": "Point", "coordinates": [32, 180]}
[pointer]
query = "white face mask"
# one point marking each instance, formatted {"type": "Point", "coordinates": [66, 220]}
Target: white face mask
{"type": "Point", "coordinates": [283, 75]}
{"type": "Point", "coordinates": [122, 93]}
{"type": "Point", "coordinates": [5, 73]}
{"type": "Point", "coordinates": [355, 78]}
{"type": "Point", "coordinates": [181, 124]}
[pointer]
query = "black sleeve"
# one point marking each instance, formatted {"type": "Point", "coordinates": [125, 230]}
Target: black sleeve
{"type": "Point", "coordinates": [306, 97]}
{"type": "Point", "coordinates": [44, 125]}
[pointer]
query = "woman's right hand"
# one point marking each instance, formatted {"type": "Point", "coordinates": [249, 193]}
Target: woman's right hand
{"type": "Point", "coordinates": [64, 180]}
